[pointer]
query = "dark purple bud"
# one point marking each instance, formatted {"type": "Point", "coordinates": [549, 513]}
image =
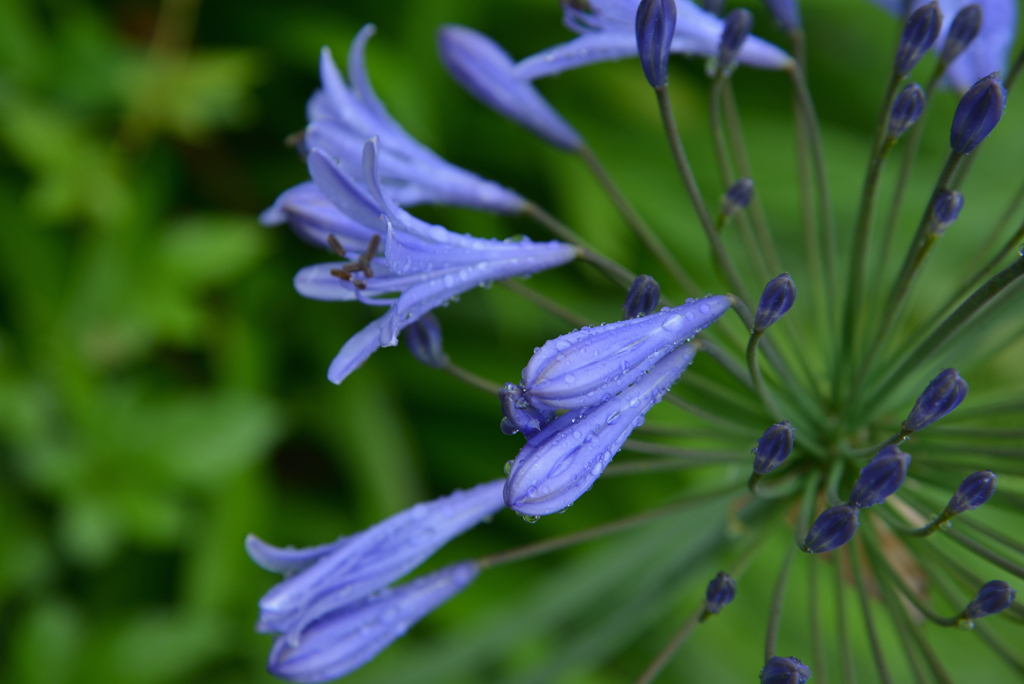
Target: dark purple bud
{"type": "Point", "coordinates": [946, 210]}
{"type": "Point", "coordinates": [777, 298]}
{"type": "Point", "coordinates": [423, 338]}
{"type": "Point", "coordinates": [737, 197]}
{"type": "Point", "coordinates": [942, 395]}
{"type": "Point", "coordinates": [833, 528]}
{"type": "Point", "coordinates": [979, 111]}
{"type": "Point", "coordinates": [994, 597]}
{"type": "Point", "coordinates": [961, 33]}
{"type": "Point", "coordinates": [906, 110]}
{"type": "Point", "coordinates": [519, 414]}
{"type": "Point", "coordinates": [655, 27]}
{"type": "Point", "coordinates": [721, 592]}
{"type": "Point", "coordinates": [773, 447]}
{"type": "Point", "coordinates": [643, 297]}
{"type": "Point", "coordinates": [975, 490]}
{"type": "Point", "coordinates": [714, 6]}
{"type": "Point", "coordinates": [786, 13]}
{"type": "Point", "coordinates": [784, 671]}
{"type": "Point", "coordinates": [920, 31]}
{"type": "Point", "coordinates": [880, 478]}
{"type": "Point", "coordinates": [738, 25]}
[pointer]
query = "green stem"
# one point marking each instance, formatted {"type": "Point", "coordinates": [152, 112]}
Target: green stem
{"type": "Point", "coordinates": [470, 378]}
{"type": "Point", "coordinates": [957, 320]}
{"type": "Point", "coordinates": [546, 303]}
{"type": "Point", "coordinates": [869, 622]}
{"type": "Point", "coordinates": [755, 375]}
{"type": "Point", "coordinates": [690, 182]}
{"type": "Point", "coordinates": [771, 640]}
{"type": "Point", "coordinates": [643, 231]}
{"type": "Point", "coordinates": [615, 271]}
{"type": "Point", "coordinates": [574, 538]}
{"type": "Point", "coordinates": [845, 652]}
{"type": "Point", "coordinates": [817, 646]}
{"type": "Point", "coordinates": [803, 521]}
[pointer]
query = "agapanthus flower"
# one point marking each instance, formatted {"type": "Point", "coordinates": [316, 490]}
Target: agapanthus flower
{"type": "Point", "coordinates": [843, 378]}
{"type": "Point", "coordinates": [988, 51]}
{"type": "Point", "coordinates": [607, 31]}
{"type": "Point", "coordinates": [570, 453]}
{"type": "Point", "coordinates": [331, 576]}
{"type": "Point", "coordinates": [423, 266]}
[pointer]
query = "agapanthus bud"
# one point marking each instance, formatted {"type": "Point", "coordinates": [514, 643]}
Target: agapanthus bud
{"type": "Point", "coordinates": [961, 33]}
{"type": "Point", "coordinates": [780, 670]}
{"type": "Point", "coordinates": [519, 415]}
{"type": "Point", "coordinates": [643, 297]}
{"type": "Point", "coordinates": [721, 591]}
{"type": "Point", "coordinates": [738, 196]}
{"type": "Point", "coordinates": [484, 70]}
{"type": "Point", "coordinates": [979, 111]}
{"type": "Point", "coordinates": [940, 397]}
{"type": "Point", "coordinates": [946, 210]}
{"type": "Point", "coordinates": [906, 110]}
{"type": "Point", "coordinates": [975, 490]}
{"type": "Point", "coordinates": [773, 447]}
{"type": "Point", "coordinates": [777, 298]}
{"type": "Point", "coordinates": [568, 455]}
{"type": "Point", "coordinates": [354, 568]}
{"type": "Point", "coordinates": [738, 24]}
{"type": "Point", "coordinates": [880, 478]}
{"type": "Point", "coordinates": [345, 640]}
{"type": "Point", "coordinates": [423, 338]}
{"type": "Point", "coordinates": [920, 31]}
{"type": "Point", "coordinates": [655, 28]}
{"type": "Point", "coordinates": [833, 528]}
{"type": "Point", "coordinates": [584, 367]}
{"type": "Point", "coordinates": [993, 597]}
{"type": "Point", "coordinates": [786, 13]}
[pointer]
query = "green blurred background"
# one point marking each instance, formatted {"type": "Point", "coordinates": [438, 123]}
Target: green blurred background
{"type": "Point", "coordinates": [162, 388]}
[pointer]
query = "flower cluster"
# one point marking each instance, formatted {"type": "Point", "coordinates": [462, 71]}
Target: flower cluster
{"type": "Point", "coordinates": [850, 494]}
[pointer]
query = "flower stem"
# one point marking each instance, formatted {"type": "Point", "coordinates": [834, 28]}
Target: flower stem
{"type": "Point", "coordinates": [755, 375]}
{"type": "Point", "coordinates": [869, 622]}
{"type": "Point", "coordinates": [732, 276]}
{"type": "Point", "coordinates": [470, 378]}
{"type": "Point", "coordinates": [643, 231]}
{"type": "Point", "coordinates": [771, 640]}
{"type": "Point", "coordinates": [546, 303]}
{"type": "Point", "coordinates": [845, 652]}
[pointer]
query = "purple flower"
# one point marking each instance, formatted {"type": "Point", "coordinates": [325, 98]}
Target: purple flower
{"type": "Point", "coordinates": [342, 117]}
{"type": "Point", "coordinates": [994, 597]}
{"type": "Point", "coordinates": [773, 447]}
{"type": "Point", "coordinates": [975, 490]}
{"type": "Point", "coordinates": [485, 71]}
{"type": "Point", "coordinates": [343, 641]}
{"type": "Point", "coordinates": [988, 52]}
{"type": "Point", "coordinates": [833, 528]}
{"type": "Point", "coordinates": [423, 267]}
{"type": "Point", "coordinates": [655, 28]}
{"type": "Point", "coordinates": [567, 456]}
{"type": "Point", "coordinates": [940, 397]}
{"type": "Point", "coordinates": [779, 670]}
{"type": "Point", "coordinates": [328, 577]}
{"type": "Point", "coordinates": [607, 31]}
{"type": "Point", "coordinates": [584, 367]}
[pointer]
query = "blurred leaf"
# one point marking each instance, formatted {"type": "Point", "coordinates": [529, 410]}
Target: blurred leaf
{"type": "Point", "coordinates": [50, 639]}
{"type": "Point", "coordinates": [198, 252]}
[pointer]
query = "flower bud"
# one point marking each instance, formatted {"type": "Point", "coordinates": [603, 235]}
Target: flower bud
{"type": "Point", "coordinates": [883, 476]}
{"type": "Point", "coordinates": [777, 298]}
{"type": "Point", "coordinates": [737, 197]}
{"type": "Point", "coordinates": [786, 13]}
{"type": "Point", "coordinates": [644, 295]}
{"type": "Point", "coordinates": [423, 338]}
{"type": "Point", "coordinates": [721, 592]}
{"type": "Point", "coordinates": [920, 31]}
{"type": "Point", "coordinates": [994, 597]}
{"type": "Point", "coordinates": [347, 639]}
{"type": "Point", "coordinates": [941, 396]}
{"type": "Point", "coordinates": [979, 111]}
{"type": "Point", "coordinates": [780, 670]}
{"type": "Point", "coordinates": [738, 25]}
{"type": "Point", "coordinates": [773, 447]}
{"type": "Point", "coordinates": [655, 28]}
{"type": "Point", "coordinates": [906, 110]}
{"type": "Point", "coordinates": [975, 490]}
{"type": "Point", "coordinates": [945, 211]}
{"type": "Point", "coordinates": [484, 70]}
{"type": "Point", "coordinates": [961, 33]}
{"type": "Point", "coordinates": [833, 528]}
{"type": "Point", "coordinates": [519, 415]}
